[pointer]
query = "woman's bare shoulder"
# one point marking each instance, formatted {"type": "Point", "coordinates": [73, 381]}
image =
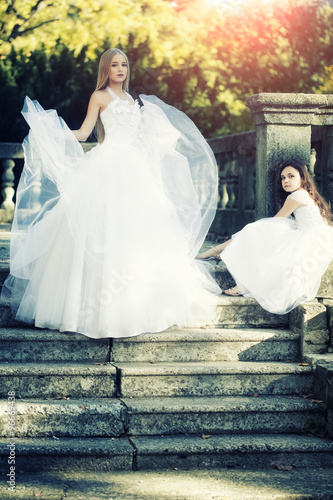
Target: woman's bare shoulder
{"type": "Point", "coordinates": [99, 99]}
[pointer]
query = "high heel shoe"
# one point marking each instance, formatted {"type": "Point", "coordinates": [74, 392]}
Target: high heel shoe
{"type": "Point", "coordinates": [207, 259]}
{"type": "Point", "coordinates": [234, 292]}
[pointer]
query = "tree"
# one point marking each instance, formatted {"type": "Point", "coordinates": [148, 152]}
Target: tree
{"type": "Point", "coordinates": [203, 59]}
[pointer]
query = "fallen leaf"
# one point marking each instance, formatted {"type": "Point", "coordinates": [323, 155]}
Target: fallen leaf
{"type": "Point", "coordinates": [308, 396]}
{"type": "Point", "coordinates": [36, 494]}
{"type": "Point", "coordinates": [303, 364]}
{"type": "Point", "coordinates": [83, 407]}
{"type": "Point", "coordinates": [280, 466]}
{"type": "Point", "coordinates": [206, 436]}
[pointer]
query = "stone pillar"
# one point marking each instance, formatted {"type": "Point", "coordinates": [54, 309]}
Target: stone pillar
{"type": "Point", "coordinates": [283, 130]}
{"type": "Point", "coordinates": [328, 161]}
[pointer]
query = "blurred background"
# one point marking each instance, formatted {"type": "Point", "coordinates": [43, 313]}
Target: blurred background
{"type": "Point", "coordinates": [202, 56]}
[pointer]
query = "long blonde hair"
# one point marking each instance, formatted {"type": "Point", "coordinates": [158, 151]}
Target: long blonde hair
{"type": "Point", "coordinates": [103, 78]}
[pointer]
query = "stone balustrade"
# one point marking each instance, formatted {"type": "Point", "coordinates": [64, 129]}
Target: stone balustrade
{"type": "Point", "coordinates": [286, 125]}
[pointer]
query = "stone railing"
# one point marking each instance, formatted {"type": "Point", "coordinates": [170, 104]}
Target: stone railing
{"type": "Point", "coordinates": [235, 156]}
{"type": "Point", "coordinates": [286, 125]}
{"type": "Point", "coordinates": [11, 161]}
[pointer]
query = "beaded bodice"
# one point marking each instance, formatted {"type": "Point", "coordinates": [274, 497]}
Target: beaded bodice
{"type": "Point", "coordinates": [122, 120]}
{"type": "Point", "coordinates": [308, 214]}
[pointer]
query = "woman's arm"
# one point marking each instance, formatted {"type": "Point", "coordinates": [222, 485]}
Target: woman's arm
{"type": "Point", "coordinates": [288, 207]}
{"type": "Point", "coordinates": [87, 126]}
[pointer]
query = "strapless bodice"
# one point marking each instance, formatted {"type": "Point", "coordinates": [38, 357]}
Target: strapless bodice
{"type": "Point", "coordinates": [121, 119]}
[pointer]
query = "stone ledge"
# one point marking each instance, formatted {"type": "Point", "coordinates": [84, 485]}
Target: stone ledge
{"type": "Point", "coordinates": [291, 109]}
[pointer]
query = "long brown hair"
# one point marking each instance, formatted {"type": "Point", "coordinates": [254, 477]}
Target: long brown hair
{"type": "Point", "coordinates": [306, 183]}
{"type": "Point", "coordinates": [103, 78]}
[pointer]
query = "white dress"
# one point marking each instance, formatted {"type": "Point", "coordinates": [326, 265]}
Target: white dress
{"type": "Point", "coordinates": [103, 243]}
{"type": "Point", "coordinates": [280, 261]}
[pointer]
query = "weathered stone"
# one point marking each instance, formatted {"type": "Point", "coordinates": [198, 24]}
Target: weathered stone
{"type": "Point", "coordinates": [69, 454]}
{"type": "Point", "coordinates": [72, 418]}
{"type": "Point", "coordinates": [329, 308]}
{"type": "Point", "coordinates": [329, 424]}
{"type": "Point", "coordinates": [283, 130]}
{"type": "Point", "coordinates": [242, 311]}
{"type": "Point", "coordinates": [208, 345]}
{"type": "Point", "coordinates": [255, 451]}
{"type": "Point", "coordinates": [39, 380]}
{"type": "Point", "coordinates": [323, 389]}
{"type": "Point", "coordinates": [326, 285]}
{"type": "Point", "coordinates": [236, 415]}
{"type": "Point", "coordinates": [194, 484]}
{"type": "Point", "coordinates": [311, 320]}
{"type": "Point", "coordinates": [319, 337]}
{"type": "Point", "coordinates": [35, 345]}
{"type": "Point", "coordinates": [213, 379]}
{"type": "Point", "coordinates": [309, 317]}
{"type": "Point", "coordinates": [291, 109]}
{"type": "Point", "coordinates": [6, 317]}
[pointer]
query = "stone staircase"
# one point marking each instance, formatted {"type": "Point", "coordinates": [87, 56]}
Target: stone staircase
{"type": "Point", "coordinates": [230, 395]}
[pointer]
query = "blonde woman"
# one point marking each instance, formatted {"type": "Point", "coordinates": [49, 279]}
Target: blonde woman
{"type": "Point", "coordinates": [103, 243]}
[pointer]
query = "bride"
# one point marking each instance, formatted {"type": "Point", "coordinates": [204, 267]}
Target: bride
{"type": "Point", "coordinates": [103, 243]}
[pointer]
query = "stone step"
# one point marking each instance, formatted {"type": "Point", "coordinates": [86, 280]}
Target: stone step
{"type": "Point", "coordinates": [211, 344]}
{"type": "Point", "coordinates": [65, 417]}
{"type": "Point", "coordinates": [227, 415]}
{"type": "Point", "coordinates": [213, 379]}
{"type": "Point", "coordinates": [253, 451]}
{"type": "Point", "coordinates": [166, 452]}
{"type": "Point", "coordinates": [30, 345]}
{"type": "Point", "coordinates": [4, 271]}
{"type": "Point", "coordinates": [162, 416]}
{"type": "Point", "coordinates": [236, 312]}
{"type": "Point", "coordinates": [53, 380]}
{"type": "Point", "coordinates": [6, 317]}
{"type": "Point", "coordinates": [70, 454]}
{"type": "Point", "coordinates": [233, 312]}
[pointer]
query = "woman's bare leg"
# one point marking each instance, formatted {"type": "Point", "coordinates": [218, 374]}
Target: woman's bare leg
{"type": "Point", "coordinates": [215, 251]}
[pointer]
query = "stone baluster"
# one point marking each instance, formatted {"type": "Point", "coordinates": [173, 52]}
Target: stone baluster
{"type": "Point", "coordinates": [249, 186]}
{"type": "Point", "coordinates": [7, 185]}
{"type": "Point", "coordinates": [313, 159]}
{"type": "Point", "coordinates": [36, 191]}
{"type": "Point", "coordinates": [222, 187]}
{"type": "Point", "coordinates": [224, 197]}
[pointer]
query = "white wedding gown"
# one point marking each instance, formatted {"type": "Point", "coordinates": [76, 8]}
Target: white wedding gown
{"type": "Point", "coordinates": [103, 243]}
{"type": "Point", "coordinates": [280, 261]}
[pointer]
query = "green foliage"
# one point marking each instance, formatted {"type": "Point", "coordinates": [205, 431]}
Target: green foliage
{"type": "Point", "coordinates": [203, 59]}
